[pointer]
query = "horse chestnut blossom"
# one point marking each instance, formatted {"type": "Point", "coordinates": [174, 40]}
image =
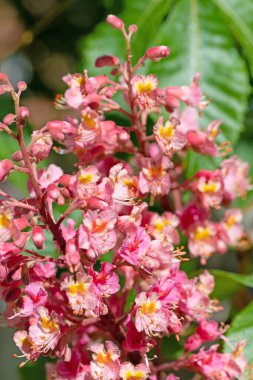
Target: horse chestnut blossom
{"type": "Point", "coordinates": [113, 288]}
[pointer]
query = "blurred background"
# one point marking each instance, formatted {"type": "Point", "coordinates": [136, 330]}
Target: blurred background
{"type": "Point", "coordinates": [42, 40]}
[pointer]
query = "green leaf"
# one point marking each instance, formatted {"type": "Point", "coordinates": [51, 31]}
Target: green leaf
{"type": "Point", "coordinates": [227, 283]}
{"type": "Point", "coordinates": [202, 43]}
{"type": "Point", "coordinates": [239, 17]}
{"type": "Point", "coordinates": [106, 40]}
{"type": "Point", "coordinates": [242, 328]}
{"type": "Point", "coordinates": [33, 371]}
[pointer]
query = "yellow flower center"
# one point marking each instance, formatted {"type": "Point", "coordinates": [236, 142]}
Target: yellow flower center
{"type": "Point", "coordinates": [104, 358]}
{"type": "Point", "coordinates": [144, 88]}
{"type": "Point", "coordinates": [202, 233]}
{"type": "Point", "coordinates": [210, 187]}
{"type": "Point", "coordinates": [231, 221]}
{"type": "Point", "coordinates": [160, 225]}
{"type": "Point", "coordinates": [167, 131]}
{"type": "Point", "coordinates": [48, 324]}
{"type": "Point", "coordinates": [85, 179]}
{"type": "Point", "coordinates": [148, 308]}
{"type": "Point", "coordinates": [88, 121]}
{"type": "Point", "coordinates": [4, 220]}
{"type": "Point", "coordinates": [138, 375]}
{"type": "Point", "coordinates": [77, 288]}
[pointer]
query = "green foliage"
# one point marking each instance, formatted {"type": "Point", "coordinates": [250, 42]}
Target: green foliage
{"type": "Point", "coordinates": [226, 283]}
{"type": "Point", "coordinates": [242, 329]}
{"type": "Point", "coordinates": [200, 41]}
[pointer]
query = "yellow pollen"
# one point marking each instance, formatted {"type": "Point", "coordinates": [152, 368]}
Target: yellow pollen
{"type": "Point", "coordinates": [167, 131]}
{"type": "Point", "coordinates": [4, 221]}
{"type": "Point", "coordinates": [210, 187]}
{"type": "Point", "coordinates": [148, 308]}
{"type": "Point", "coordinates": [104, 358]}
{"type": "Point", "coordinates": [77, 288]}
{"type": "Point", "coordinates": [231, 221]}
{"type": "Point", "coordinates": [143, 88]}
{"type": "Point", "coordinates": [85, 179]}
{"type": "Point", "coordinates": [49, 324]}
{"type": "Point", "coordinates": [138, 375]}
{"type": "Point", "coordinates": [160, 225]}
{"type": "Point", "coordinates": [88, 121]}
{"type": "Point", "coordinates": [202, 233]}
{"type": "Point", "coordinates": [214, 133]}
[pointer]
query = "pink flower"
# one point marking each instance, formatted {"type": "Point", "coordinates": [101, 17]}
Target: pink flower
{"type": "Point", "coordinates": [191, 95]}
{"type": "Point", "coordinates": [97, 234]}
{"type": "Point", "coordinates": [135, 246]}
{"type": "Point", "coordinates": [154, 177]}
{"type": "Point", "coordinates": [45, 331]}
{"type": "Point", "coordinates": [144, 88]}
{"type": "Point", "coordinates": [206, 239]}
{"type": "Point", "coordinates": [106, 282]}
{"type": "Point", "coordinates": [125, 185]}
{"type": "Point", "coordinates": [105, 362]}
{"type": "Point", "coordinates": [235, 177]}
{"type": "Point", "coordinates": [205, 331]}
{"type": "Point", "coordinates": [80, 293]}
{"type": "Point", "coordinates": [86, 181]}
{"type": "Point", "coordinates": [130, 372]}
{"type": "Point", "coordinates": [168, 137]}
{"type": "Point", "coordinates": [163, 227]}
{"type": "Point", "coordinates": [209, 188]}
{"type": "Point", "coordinates": [150, 315]}
{"type": "Point", "coordinates": [232, 223]}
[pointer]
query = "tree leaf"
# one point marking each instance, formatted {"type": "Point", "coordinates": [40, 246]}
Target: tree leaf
{"type": "Point", "coordinates": [227, 283]}
{"type": "Point", "coordinates": [239, 17]}
{"type": "Point", "coordinates": [242, 328]}
{"type": "Point", "coordinates": [202, 43]}
{"type": "Point", "coordinates": [106, 40]}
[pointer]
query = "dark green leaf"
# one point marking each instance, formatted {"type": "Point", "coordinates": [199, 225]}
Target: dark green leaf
{"type": "Point", "coordinates": [202, 43]}
{"type": "Point", "coordinates": [239, 17]}
{"type": "Point", "coordinates": [226, 283]}
{"type": "Point", "coordinates": [242, 329]}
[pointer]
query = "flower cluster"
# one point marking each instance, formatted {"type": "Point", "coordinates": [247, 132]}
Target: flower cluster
{"type": "Point", "coordinates": [114, 288]}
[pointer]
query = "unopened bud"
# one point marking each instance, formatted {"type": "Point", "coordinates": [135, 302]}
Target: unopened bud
{"type": "Point", "coordinates": [58, 128]}
{"type": "Point", "coordinates": [132, 28]}
{"type": "Point", "coordinates": [106, 60]}
{"type": "Point", "coordinates": [5, 168]}
{"type": "Point", "coordinates": [24, 112]}
{"type": "Point", "coordinates": [157, 52]}
{"type": "Point", "coordinates": [22, 86]}
{"type": "Point", "coordinates": [38, 237]}
{"type": "Point", "coordinates": [9, 119]}
{"type": "Point", "coordinates": [17, 156]}
{"type": "Point", "coordinates": [114, 21]}
{"type": "Point", "coordinates": [4, 78]}
{"type": "Point", "coordinates": [72, 255]}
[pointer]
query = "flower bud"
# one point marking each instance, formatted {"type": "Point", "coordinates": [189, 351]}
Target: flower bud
{"type": "Point", "coordinates": [72, 256]}
{"type": "Point", "coordinates": [4, 78]}
{"type": "Point", "coordinates": [114, 21]}
{"type": "Point", "coordinates": [5, 168]}
{"type": "Point", "coordinates": [24, 112]}
{"type": "Point", "coordinates": [106, 60]}
{"type": "Point", "coordinates": [156, 53]}
{"type": "Point", "coordinates": [132, 28]}
{"type": "Point", "coordinates": [58, 128]}
{"type": "Point", "coordinates": [9, 119]}
{"type": "Point", "coordinates": [17, 156]}
{"type": "Point", "coordinates": [22, 86]}
{"type": "Point", "coordinates": [38, 237]}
